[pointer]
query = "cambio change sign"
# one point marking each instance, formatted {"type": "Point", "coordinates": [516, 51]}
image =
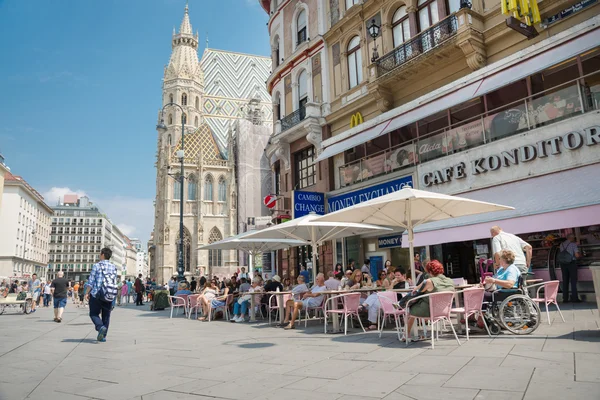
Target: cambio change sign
{"type": "Point", "coordinates": [307, 202]}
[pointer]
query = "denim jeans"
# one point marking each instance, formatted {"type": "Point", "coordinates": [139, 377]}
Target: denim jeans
{"type": "Point", "coordinates": [98, 307]}
{"type": "Point", "coordinates": [240, 309]}
{"type": "Point", "coordinates": [47, 298]}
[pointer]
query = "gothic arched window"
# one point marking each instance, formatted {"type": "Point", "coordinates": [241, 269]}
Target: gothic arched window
{"type": "Point", "coordinates": [214, 256]}
{"type": "Point", "coordinates": [170, 140]}
{"type": "Point", "coordinates": [170, 119]}
{"type": "Point", "coordinates": [208, 188]}
{"type": "Point", "coordinates": [197, 103]}
{"type": "Point", "coordinates": [177, 189]}
{"type": "Point", "coordinates": [170, 98]}
{"type": "Point", "coordinates": [222, 189]}
{"type": "Point", "coordinates": [196, 121]}
{"type": "Point", "coordinates": [184, 118]}
{"type": "Point", "coordinates": [184, 99]}
{"type": "Point", "coordinates": [192, 187]}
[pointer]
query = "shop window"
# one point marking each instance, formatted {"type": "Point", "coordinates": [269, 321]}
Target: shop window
{"type": "Point", "coordinates": [590, 63]}
{"type": "Point", "coordinates": [466, 125]}
{"type": "Point", "coordinates": [305, 168]}
{"type": "Point", "coordinates": [378, 145]}
{"type": "Point", "coordinates": [433, 140]}
{"type": "Point", "coordinates": [506, 111]}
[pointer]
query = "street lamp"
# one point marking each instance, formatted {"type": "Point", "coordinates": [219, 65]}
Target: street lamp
{"type": "Point", "coordinates": [162, 128]}
{"type": "Point", "coordinates": [374, 30]}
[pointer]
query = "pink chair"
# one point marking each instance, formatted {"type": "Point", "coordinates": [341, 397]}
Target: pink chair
{"type": "Point", "coordinates": [484, 266]}
{"type": "Point", "coordinates": [473, 300]}
{"type": "Point", "coordinates": [194, 304]}
{"type": "Point", "coordinates": [440, 305]}
{"type": "Point", "coordinates": [550, 292]}
{"type": "Point", "coordinates": [388, 306]}
{"type": "Point", "coordinates": [315, 309]}
{"type": "Point", "coordinates": [274, 304]}
{"type": "Point", "coordinates": [177, 302]}
{"type": "Point", "coordinates": [351, 302]}
{"type": "Point", "coordinates": [225, 308]}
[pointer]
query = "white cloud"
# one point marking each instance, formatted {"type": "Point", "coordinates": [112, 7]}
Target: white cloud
{"type": "Point", "coordinates": [133, 216]}
{"type": "Point", "coordinates": [56, 194]}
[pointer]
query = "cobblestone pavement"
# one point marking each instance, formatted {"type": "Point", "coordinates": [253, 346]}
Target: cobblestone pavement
{"type": "Point", "coordinates": [149, 356]}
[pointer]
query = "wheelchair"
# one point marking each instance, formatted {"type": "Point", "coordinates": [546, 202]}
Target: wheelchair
{"type": "Point", "coordinates": [512, 310]}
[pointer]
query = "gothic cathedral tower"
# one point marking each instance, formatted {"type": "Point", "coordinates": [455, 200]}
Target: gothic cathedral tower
{"type": "Point", "coordinates": [209, 184]}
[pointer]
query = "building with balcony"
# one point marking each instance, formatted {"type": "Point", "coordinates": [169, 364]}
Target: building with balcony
{"type": "Point", "coordinates": [215, 91]}
{"type": "Point", "coordinates": [460, 103]}
{"type": "Point", "coordinates": [25, 229]}
{"type": "Point", "coordinates": [298, 86]}
{"type": "Point", "coordinates": [79, 231]}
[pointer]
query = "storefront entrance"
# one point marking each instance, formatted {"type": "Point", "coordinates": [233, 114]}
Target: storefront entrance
{"type": "Point", "coordinates": [459, 260]}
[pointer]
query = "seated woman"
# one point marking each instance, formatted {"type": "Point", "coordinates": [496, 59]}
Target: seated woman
{"type": "Point", "coordinates": [355, 281]}
{"type": "Point", "coordinates": [241, 305]}
{"type": "Point", "coordinates": [506, 277]}
{"type": "Point", "coordinates": [208, 295]}
{"type": "Point", "coordinates": [437, 282]}
{"type": "Point", "coordinates": [381, 279]}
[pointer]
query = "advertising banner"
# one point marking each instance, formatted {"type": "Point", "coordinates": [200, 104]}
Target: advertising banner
{"type": "Point", "coordinates": [358, 196]}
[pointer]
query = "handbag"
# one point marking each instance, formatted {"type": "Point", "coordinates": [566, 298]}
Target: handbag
{"type": "Point", "coordinates": [408, 297]}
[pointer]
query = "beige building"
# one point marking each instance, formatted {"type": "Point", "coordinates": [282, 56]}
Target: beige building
{"type": "Point", "coordinates": [214, 92]}
{"type": "Point", "coordinates": [454, 100]}
{"type": "Point", "coordinates": [130, 259]}
{"type": "Point", "coordinates": [25, 233]}
{"type": "Point", "coordinates": [3, 171]}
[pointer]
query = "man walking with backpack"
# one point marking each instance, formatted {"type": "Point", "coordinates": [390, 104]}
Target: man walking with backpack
{"type": "Point", "coordinates": [567, 258]}
{"type": "Point", "coordinates": [101, 292]}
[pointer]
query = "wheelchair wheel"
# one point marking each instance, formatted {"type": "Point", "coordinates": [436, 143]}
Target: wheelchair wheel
{"type": "Point", "coordinates": [2, 306]}
{"type": "Point", "coordinates": [519, 314]}
{"type": "Point", "coordinates": [27, 306]}
{"type": "Point", "coordinates": [495, 329]}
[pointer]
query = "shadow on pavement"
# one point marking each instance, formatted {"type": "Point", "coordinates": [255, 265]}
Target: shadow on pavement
{"type": "Point", "coordinates": [255, 345]}
{"type": "Point", "coordinates": [79, 341]}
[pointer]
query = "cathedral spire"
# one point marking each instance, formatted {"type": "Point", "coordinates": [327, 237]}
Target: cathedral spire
{"type": "Point", "coordinates": [186, 27]}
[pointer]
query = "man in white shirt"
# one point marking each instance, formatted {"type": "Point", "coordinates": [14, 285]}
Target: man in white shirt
{"type": "Point", "coordinates": [242, 274]}
{"type": "Point", "coordinates": [333, 283]}
{"type": "Point", "coordinates": [507, 241]}
{"type": "Point", "coordinates": [310, 299]}
{"type": "Point", "coordinates": [347, 277]}
{"type": "Point", "coordinates": [366, 267]}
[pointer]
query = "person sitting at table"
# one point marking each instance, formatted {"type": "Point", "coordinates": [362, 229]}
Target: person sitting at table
{"type": "Point", "coordinates": [505, 277]}
{"type": "Point", "coordinates": [334, 282]}
{"type": "Point", "coordinates": [183, 289]}
{"type": "Point", "coordinates": [310, 299]}
{"type": "Point", "coordinates": [300, 288]}
{"type": "Point", "coordinates": [208, 295]}
{"type": "Point", "coordinates": [287, 284]}
{"type": "Point", "coordinates": [241, 305]}
{"type": "Point", "coordinates": [381, 279]}
{"type": "Point", "coordinates": [437, 282]}
{"type": "Point", "coordinates": [217, 301]}
{"type": "Point", "coordinates": [274, 284]}
{"type": "Point", "coordinates": [399, 281]}
{"type": "Point", "coordinates": [244, 285]}
{"type": "Point", "coordinates": [356, 280]}
{"type": "Point", "coordinates": [346, 278]}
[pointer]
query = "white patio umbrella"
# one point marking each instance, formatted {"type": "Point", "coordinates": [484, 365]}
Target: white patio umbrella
{"type": "Point", "coordinates": [251, 246]}
{"type": "Point", "coordinates": [408, 208]}
{"type": "Point", "coordinates": [312, 230]}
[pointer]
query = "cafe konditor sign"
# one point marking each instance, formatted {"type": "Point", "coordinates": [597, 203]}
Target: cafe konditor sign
{"type": "Point", "coordinates": [520, 155]}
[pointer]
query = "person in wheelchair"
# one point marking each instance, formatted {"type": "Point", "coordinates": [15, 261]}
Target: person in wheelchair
{"type": "Point", "coordinates": [505, 280]}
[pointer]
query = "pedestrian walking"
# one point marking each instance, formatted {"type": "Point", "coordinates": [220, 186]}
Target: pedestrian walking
{"type": "Point", "coordinates": [81, 294]}
{"type": "Point", "coordinates": [507, 241]}
{"type": "Point", "coordinates": [101, 292]}
{"type": "Point", "coordinates": [47, 293]}
{"type": "Point", "coordinates": [60, 290]}
{"type": "Point", "coordinates": [35, 290]}
{"type": "Point", "coordinates": [139, 291]}
{"type": "Point", "coordinates": [567, 258]}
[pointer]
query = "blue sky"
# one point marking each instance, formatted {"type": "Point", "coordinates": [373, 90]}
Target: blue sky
{"type": "Point", "coordinates": [80, 84]}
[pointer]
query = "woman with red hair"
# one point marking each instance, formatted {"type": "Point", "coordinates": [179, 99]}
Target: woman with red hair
{"type": "Point", "coordinates": [436, 282]}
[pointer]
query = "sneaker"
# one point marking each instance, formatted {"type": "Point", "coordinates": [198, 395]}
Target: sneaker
{"type": "Point", "coordinates": [102, 340]}
{"type": "Point", "coordinates": [234, 318]}
{"type": "Point", "coordinates": [101, 333]}
{"type": "Point", "coordinates": [240, 319]}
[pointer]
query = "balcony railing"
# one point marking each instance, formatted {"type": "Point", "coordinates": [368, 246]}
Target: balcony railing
{"type": "Point", "coordinates": [529, 113]}
{"type": "Point", "coordinates": [422, 43]}
{"type": "Point", "coordinates": [293, 119]}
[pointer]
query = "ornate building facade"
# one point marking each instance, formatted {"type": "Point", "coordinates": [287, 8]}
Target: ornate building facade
{"type": "Point", "coordinates": [214, 92]}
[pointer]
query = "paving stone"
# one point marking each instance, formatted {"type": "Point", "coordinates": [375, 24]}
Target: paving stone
{"type": "Point", "coordinates": [474, 350]}
{"type": "Point", "coordinates": [562, 390]}
{"type": "Point", "coordinates": [488, 378]}
{"type": "Point", "coordinates": [429, 379]}
{"type": "Point", "coordinates": [434, 364]}
{"type": "Point", "coordinates": [193, 386]}
{"type": "Point", "coordinates": [369, 383]}
{"type": "Point", "coordinates": [586, 365]}
{"type": "Point", "coordinates": [291, 394]}
{"type": "Point", "coordinates": [497, 395]}
{"type": "Point", "coordinates": [486, 361]}
{"type": "Point", "coordinates": [436, 393]}
{"type": "Point", "coordinates": [329, 369]}
{"type": "Point", "coordinates": [309, 384]}
{"type": "Point", "coordinates": [248, 387]}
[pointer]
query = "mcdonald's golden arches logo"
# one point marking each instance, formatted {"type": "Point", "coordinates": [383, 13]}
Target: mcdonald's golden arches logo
{"type": "Point", "coordinates": [356, 119]}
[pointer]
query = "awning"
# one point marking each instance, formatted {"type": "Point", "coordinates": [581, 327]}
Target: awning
{"type": "Point", "coordinates": [562, 200]}
{"type": "Point", "coordinates": [415, 111]}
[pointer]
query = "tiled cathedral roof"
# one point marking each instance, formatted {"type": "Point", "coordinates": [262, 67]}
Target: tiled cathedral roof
{"type": "Point", "coordinates": [200, 141]}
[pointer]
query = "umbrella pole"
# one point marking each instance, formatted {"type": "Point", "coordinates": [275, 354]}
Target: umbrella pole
{"type": "Point", "coordinates": [313, 246]}
{"type": "Point", "coordinates": [411, 251]}
{"type": "Point", "coordinates": [250, 264]}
